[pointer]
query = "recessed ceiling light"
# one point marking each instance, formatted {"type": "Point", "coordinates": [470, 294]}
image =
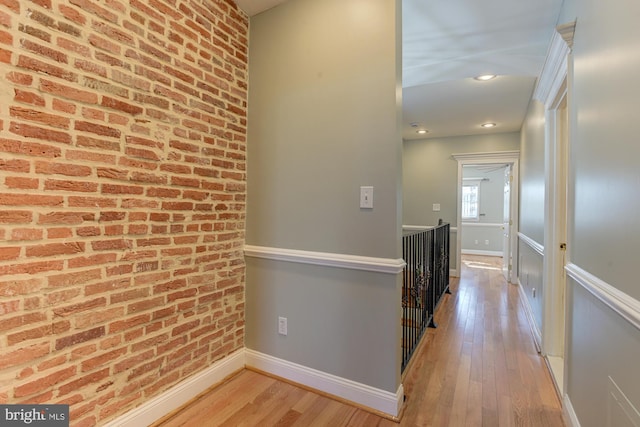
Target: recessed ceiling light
{"type": "Point", "coordinates": [485, 77]}
{"type": "Point", "coordinates": [422, 131]}
{"type": "Point", "coordinates": [488, 125]}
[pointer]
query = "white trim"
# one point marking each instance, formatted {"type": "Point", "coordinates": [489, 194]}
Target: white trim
{"type": "Point", "coordinates": [482, 224]}
{"type": "Point", "coordinates": [552, 90]}
{"type": "Point", "coordinates": [481, 252]}
{"type": "Point", "coordinates": [154, 409]}
{"type": "Point", "coordinates": [352, 262]}
{"type": "Point", "coordinates": [531, 243]}
{"type": "Point", "coordinates": [497, 157]}
{"type": "Point", "coordinates": [535, 331]}
{"type": "Point", "coordinates": [380, 400]}
{"type": "Point", "coordinates": [569, 414]}
{"type": "Point", "coordinates": [477, 158]}
{"type": "Point", "coordinates": [554, 70]}
{"type": "Point", "coordinates": [417, 227]}
{"type": "Point", "coordinates": [453, 272]}
{"type": "Point", "coordinates": [623, 304]}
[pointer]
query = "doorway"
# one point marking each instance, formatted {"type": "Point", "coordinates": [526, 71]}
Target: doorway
{"type": "Point", "coordinates": [555, 260]}
{"type": "Point", "coordinates": [500, 161]}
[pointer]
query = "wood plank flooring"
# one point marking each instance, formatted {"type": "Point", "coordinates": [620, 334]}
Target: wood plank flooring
{"type": "Point", "coordinates": [478, 368]}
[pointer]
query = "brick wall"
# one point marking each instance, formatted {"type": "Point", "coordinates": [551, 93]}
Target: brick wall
{"type": "Point", "coordinates": [122, 197]}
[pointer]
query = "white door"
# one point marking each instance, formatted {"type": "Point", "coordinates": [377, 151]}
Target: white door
{"type": "Point", "coordinates": [506, 225]}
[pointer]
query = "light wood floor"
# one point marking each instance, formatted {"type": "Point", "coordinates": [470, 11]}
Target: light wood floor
{"type": "Point", "coordinates": [478, 368]}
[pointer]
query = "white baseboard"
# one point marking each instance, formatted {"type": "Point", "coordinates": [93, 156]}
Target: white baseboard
{"type": "Point", "coordinates": [569, 415]}
{"type": "Point", "coordinates": [537, 335]}
{"type": "Point", "coordinates": [453, 272]}
{"type": "Point", "coordinates": [361, 394]}
{"type": "Point", "coordinates": [156, 408]}
{"type": "Point", "coordinates": [480, 252]}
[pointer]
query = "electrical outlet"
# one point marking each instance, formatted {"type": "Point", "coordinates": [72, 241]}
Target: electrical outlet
{"type": "Point", "coordinates": [486, 242]}
{"type": "Point", "coordinates": [282, 325]}
{"type": "Point", "coordinates": [476, 241]}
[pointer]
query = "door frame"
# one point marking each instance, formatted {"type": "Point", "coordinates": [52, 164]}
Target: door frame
{"type": "Point", "coordinates": [497, 157]}
{"type": "Point", "coordinates": [554, 89]}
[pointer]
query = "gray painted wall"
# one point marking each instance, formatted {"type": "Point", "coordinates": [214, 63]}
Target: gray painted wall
{"type": "Point", "coordinates": [430, 175]}
{"type": "Point", "coordinates": [532, 207]}
{"type": "Point", "coordinates": [530, 266]}
{"type": "Point", "coordinates": [324, 119]}
{"type": "Point", "coordinates": [532, 173]}
{"type": "Point", "coordinates": [604, 225]}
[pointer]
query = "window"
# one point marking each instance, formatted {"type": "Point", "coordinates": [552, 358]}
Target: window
{"type": "Point", "coordinates": [470, 201]}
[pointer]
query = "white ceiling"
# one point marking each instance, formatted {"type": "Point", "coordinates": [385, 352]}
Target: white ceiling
{"type": "Point", "coordinates": [447, 43]}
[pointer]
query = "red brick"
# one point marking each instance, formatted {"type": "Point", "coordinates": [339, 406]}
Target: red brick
{"type": "Point", "coordinates": [72, 14]}
{"type": "Point", "coordinates": [130, 362]}
{"type": "Point", "coordinates": [16, 217]}
{"type": "Point", "coordinates": [100, 360]}
{"type": "Point", "coordinates": [116, 244]}
{"type": "Point", "coordinates": [128, 323]}
{"type": "Point", "coordinates": [90, 156]}
{"type": "Point", "coordinates": [32, 267]}
{"type": "Point", "coordinates": [59, 233]}
{"type": "Point", "coordinates": [40, 117]}
{"type": "Point", "coordinates": [64, 185]}
{"type": "Point", "coordinates": [102, 144]}
{"type": "Point", "coordinates": [9, 253]}
{"type": "Point", "coordinates": [93, 8]}
{"type": "Point", "coordinates": [80, 307]}
{"type": "Point", "coordinates": [22, 320]}
{"type": "Point", "coordinates": [28, 98]}
{"type": "Point", "coordinates": [37, 332]}
{"type": "Point", "coordinates": [68, 92]}
{"type": "Point", "coordinates": [74, 47]}
{"type": "Point", "coordinates": [10, 199]}
{"type": "Point", "coordinates": [74, 278]}
{"type": "Point", "coordinates": [44, 51]}
{"type": "Point", "coordinates": [63, 106]}
{"type": "Point", "coordinates": [20, 287]}
{"type": "Point", "coordinates": [83, 381]}
{"type": "Point", "coordinates": [57, 297]}
{"type": "Point", "coordinates": [42, 384]}
{"type": "Point", "coordinates": [70, 218]}
{"type": "Point", "coordinates": [68, 169]}
{"type": "Point", "coordinates": [30, 131]}
{"type": "Point", "coordinates": [43, 67]}
{"type": "Point", "coordinates": [121, 106]}
{"type": "Point", "coordinates": [108, 286]}
{"type": "Point", "coordinates": [26, 234]}
{"type": "Point", "coordinates": [79, 337]}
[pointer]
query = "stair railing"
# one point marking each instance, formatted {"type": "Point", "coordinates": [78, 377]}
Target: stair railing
{"type": "Point", "coordinates": [425, 281]}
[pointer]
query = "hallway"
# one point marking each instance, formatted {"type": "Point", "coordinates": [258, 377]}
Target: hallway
{"type": "Point", "coordinates": [478, 368]}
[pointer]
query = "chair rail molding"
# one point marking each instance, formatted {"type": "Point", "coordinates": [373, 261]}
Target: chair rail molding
{"type": "Point", "coordinates": [623, 304]}
{"type": "Point", "coordinates": [531, 243]}
{"type": "Point", "coordinates": [326, 259]}
{"type": "Point", "coordinates": [482, 224]}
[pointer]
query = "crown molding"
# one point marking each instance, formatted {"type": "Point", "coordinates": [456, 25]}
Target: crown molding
{"type": "Point", "coordinates": [555, 66]}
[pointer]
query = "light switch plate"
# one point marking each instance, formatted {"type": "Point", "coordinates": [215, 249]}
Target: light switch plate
{"type": "Point", "coordinates": [366, 197]}
{"type": "Point", "coordinates": [436, 207]}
